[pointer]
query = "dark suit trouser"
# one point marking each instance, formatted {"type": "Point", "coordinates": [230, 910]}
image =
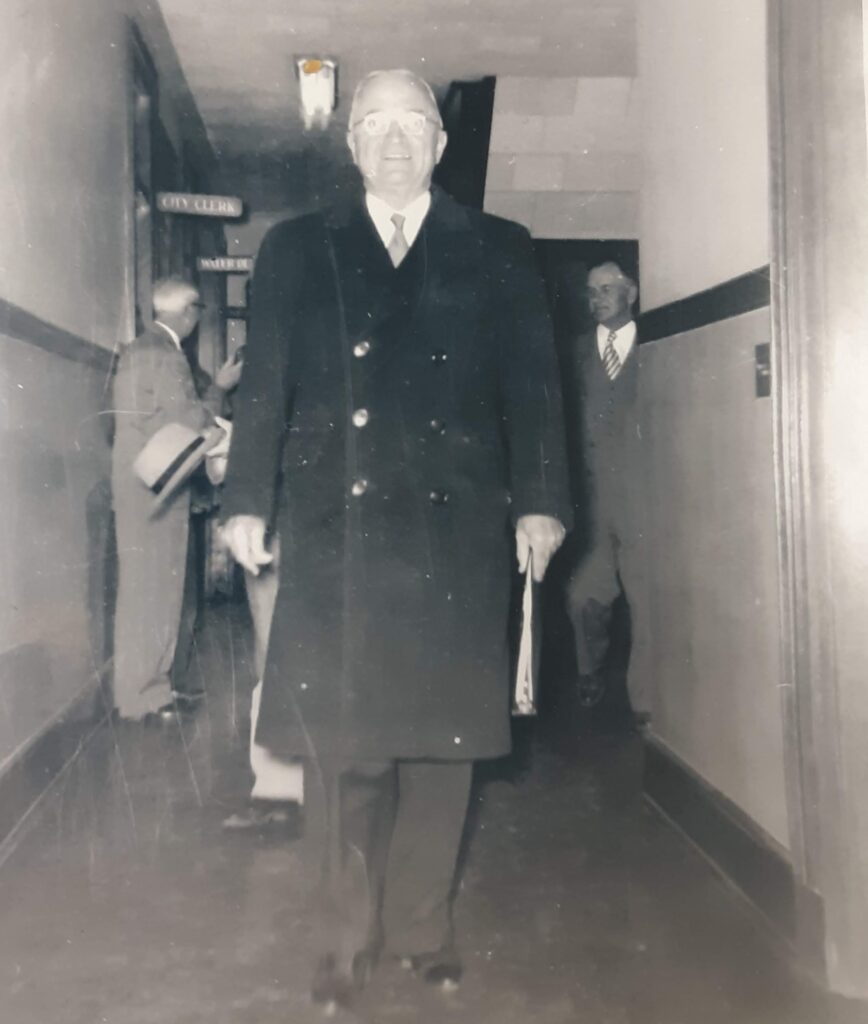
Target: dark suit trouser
{"type": "Point", "coordinates": [384, 837]}
{"type": "Point", "coordinates": [614, 564]}
{"type": "Point", "coordinates": [183, 673]}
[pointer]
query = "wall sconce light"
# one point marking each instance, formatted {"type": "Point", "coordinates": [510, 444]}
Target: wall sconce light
{"type": "Point", "coordinates": [317, 80]}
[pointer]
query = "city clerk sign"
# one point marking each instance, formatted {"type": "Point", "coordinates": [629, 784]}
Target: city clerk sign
{"type": "Point", "coordinates": [199, 206]}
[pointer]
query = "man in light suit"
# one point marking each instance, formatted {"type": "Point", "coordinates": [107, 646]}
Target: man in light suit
{"type": "Point", "coordinates": [153, 386]}
{"type": "Point", "coordinates": [612, 559]}
{"type": "Point", "coordinates": [399, 425]}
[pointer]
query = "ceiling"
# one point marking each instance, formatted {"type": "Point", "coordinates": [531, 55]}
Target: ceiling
{"type": "Point", "coordinates": [237, 55]}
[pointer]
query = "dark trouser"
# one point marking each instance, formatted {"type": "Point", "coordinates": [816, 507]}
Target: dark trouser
{"type": "Point", "coordinates": [384, 839]}
{"type": "Point", "coordinates": [614, 564]}
{"type": "Point", "coordinates": [183, 675]}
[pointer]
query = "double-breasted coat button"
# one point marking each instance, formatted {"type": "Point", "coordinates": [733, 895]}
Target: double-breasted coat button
{"type": "Point", "coordinates": [438, 356]}
{"type": "Point", "coordinates": [360, 418]}
{"type": "Point", "coordinates": [438, 497]}
{"type": "Point", "coordinates": [359, 487]}
{"type": "Point", "coordinates": [437, 426]}
{"type": "Point", "coordinates": [361, 349]}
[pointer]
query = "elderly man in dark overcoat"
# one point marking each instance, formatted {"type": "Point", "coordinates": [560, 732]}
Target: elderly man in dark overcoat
{"type": "Point", "coordinates": [399, 424]}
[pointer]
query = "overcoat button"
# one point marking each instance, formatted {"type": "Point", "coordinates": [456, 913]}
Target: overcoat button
{"type": "Point", "coordinates": [438, 497]}
{"type": "Point", "coordinates": [438, 356]}
{"type": "Point", "coordinates": [359, 487]}
{"type": "Point", "coordinates": [437, 426]}
{"type": "Point", "coordinates": [360, 418]}
{"type": "Point", "coordinates": [361, 349]}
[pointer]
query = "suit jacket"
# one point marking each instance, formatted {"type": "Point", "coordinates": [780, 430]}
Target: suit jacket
{"type": "Point", "coordinates": [394, 424]}
{"type": "Point", "coordinates": [610, 441]}
{"type": "Point", "coordinates": [153, 386]}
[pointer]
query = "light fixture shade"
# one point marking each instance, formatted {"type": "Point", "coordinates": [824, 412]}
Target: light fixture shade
{"type": "Point", "coordinates": [317, 86]}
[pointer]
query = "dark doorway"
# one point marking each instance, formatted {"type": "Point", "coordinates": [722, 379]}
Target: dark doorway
{"type": "Point", "coordinates": [467, 110]}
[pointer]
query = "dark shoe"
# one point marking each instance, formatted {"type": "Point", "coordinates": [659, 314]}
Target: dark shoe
{"type": "Point", "coordinates": [335, 986]}
{"type": "Point", "coordinates": [592, 689]}
{"type": "Point", "coordinates": [188, 696]}
{"type": "Point", "coordinates": [441, 969]}
{"type": "Point", "coordinates": [261, 815]}
{"type": "Point", "coordinates": [641, 721]}
{"type": "Point", "coordinates": [179, 707]}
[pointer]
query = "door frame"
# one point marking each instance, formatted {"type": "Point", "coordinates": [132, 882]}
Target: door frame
{"type": "Point", "coordinates": [819, 265]}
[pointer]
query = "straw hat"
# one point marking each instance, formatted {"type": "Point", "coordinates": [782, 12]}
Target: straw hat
{"type": "Point", "coordinates": [171, 456]}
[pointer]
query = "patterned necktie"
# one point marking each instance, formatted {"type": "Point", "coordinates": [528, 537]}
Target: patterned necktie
{"type": "Point", "coordinates": [398, 247]}
{"type": "Point", "coordinates": [611, 359]}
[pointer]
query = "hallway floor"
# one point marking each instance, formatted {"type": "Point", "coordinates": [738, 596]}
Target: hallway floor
{"type": "Point", "coordinates": [128, 903]}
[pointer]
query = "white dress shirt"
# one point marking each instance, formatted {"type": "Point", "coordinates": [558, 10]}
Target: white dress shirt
{"type": "Point", "coordinates": [625, 340]}
{"type": "Point", "coordinates": [172, 334]}
{"type": "Point", "coordinates": [413, 214]}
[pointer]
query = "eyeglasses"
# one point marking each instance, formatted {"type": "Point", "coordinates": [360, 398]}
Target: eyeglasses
{"type": "Point", "coordinates": [378, 122]}
{"type": "Point", "coordinates": [197, 305]}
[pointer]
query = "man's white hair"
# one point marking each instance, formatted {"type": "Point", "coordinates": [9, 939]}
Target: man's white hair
{"type": "Point", "coordinates": [616, 266]}
{"type": "Point", "coordinates": [173, 295]}
{"type": "Point", "coordinates": [405, 73]}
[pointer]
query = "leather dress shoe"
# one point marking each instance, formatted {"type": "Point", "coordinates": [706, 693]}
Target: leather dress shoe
{"type": "Point", "coordinates": [182, 705]}
{"type": "Point", "coordinates": [592, 689]}
{"type": "Point", "coordinates": [335, 985]}
{"type": "Point", "coordinates": [440, 969]}
{"type": "Point", "coordinates": [641, 721]}
{"type": "Point", "coordinates": [189, 696]}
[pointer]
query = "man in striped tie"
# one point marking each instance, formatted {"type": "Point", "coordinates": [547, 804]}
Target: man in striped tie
{"type": "Point", "coordinates": [611, 560]}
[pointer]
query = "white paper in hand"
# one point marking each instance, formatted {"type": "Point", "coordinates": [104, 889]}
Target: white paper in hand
{"type": "Point", "coordinates": [524, 697]}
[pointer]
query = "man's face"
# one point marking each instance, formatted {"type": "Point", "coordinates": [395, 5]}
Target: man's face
{"type": "Point", "coordinates": [190, 316]}
{"type": "Point", "coordinates": [397, 165]}
{"type": "Point", "coordinates": [610, 296]}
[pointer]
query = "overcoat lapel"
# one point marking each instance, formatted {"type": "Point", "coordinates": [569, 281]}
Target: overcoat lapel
{"type": "Point", "coordinates": [453, 248]}
{"type": "Point", "coordinates": [370, 298]}
{"type": "Point", "coordinates": [454, 293]}
{"type": "Point", "coordinates": [444, 263]}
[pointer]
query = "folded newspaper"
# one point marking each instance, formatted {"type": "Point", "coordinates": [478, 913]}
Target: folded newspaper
{"type": "Point", "coordinates": [524, 696]}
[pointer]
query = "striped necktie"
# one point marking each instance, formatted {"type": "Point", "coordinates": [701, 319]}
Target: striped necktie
{"type": "Point", "coordinates": [611, 359]}
{"type": "Point", "coordinates": [397, 247]}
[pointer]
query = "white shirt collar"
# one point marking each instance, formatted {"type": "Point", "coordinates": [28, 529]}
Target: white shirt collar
{"type": "Point", "coordinates": [172, 334]}
{"type": "Point", "coordinates": [625, 339]}
{"type": "Point", "coordinates": [413, 214]}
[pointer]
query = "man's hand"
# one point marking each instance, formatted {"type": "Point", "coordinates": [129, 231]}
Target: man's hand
{"type": "Point", "coordinates": [245, 538]}
{"type": "Point", "coordinates": [229, 374]}
{"type": "Point", "coordinates": [542, 535]}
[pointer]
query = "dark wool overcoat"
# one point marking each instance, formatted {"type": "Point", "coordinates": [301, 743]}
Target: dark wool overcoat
{"type": "Point", "coordinates": [391, 426]}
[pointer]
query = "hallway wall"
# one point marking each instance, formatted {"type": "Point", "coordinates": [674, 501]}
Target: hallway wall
{"type": "Point", "coordinates": [65, 302]}
{"type": "Point", "coordinates": [704, 214]}
{"type": "Point", "coordinates": [713, 567]}
{"type": "Point", "coordinates": [64, 193]}
{"type": "Point", "coordinates": [564, 156]}
{"type": "Point", "coordinates": [63, 305]}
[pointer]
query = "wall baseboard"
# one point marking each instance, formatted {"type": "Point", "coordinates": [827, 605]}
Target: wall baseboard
{"type": "Point", "coordinates": [739, 849]}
